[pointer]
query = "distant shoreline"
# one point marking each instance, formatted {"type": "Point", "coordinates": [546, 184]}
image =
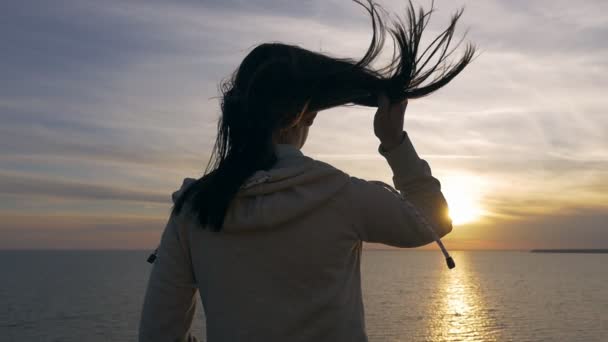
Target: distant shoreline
{"type": "Point", "coordinates": [582, 251]}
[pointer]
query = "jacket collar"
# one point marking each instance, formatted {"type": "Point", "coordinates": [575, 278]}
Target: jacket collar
{"type": "Point", "coordinates": [287, 151]}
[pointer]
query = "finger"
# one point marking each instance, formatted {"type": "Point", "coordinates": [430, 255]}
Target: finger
{"type": "Point", "coordinates": [398, 109]}
{"type": "Point", "coordinates": [383, 103]}
{"type": "Point", "coordinates": [402, 107]}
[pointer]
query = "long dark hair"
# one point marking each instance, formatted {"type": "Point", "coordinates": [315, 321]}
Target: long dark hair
{"type": "Point", "coordinates": [275, 82]}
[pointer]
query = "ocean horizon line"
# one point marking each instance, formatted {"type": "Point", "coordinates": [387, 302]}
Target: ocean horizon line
{"type": "Point", "coordinates": [532, 250]}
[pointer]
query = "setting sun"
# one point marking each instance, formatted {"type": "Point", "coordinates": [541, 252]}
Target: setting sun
{"type": "Point", "coordinates": [463, 208]}
{"type": "Point", "coordinates": [463, 196]}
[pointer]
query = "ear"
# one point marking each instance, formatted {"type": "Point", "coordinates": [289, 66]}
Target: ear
{"type": "Point", "coordinates": [308, 118]}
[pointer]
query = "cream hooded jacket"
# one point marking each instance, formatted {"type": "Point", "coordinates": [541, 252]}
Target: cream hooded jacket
{"type": "Point", "coordinates": [286, 265]}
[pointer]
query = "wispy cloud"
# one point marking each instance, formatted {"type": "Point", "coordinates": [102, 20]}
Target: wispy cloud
{"type": "Point", "coordinates": [58, 188]}
{"type": "Point", "coordinates": [79, 231]}
{"type": "Point", "coordinates": [572, 228]}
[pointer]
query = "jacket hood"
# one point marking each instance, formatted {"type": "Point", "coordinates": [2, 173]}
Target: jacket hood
{"type": "Point", "coordinates": [294, 186]}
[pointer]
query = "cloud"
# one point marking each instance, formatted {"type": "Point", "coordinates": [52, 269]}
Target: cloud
{"type": "Point", "coordinates": [79, 232]}
{"type": "Point", "coordinates": [555, 230]}
{"type": "Point", "coordinates": [36, 187]}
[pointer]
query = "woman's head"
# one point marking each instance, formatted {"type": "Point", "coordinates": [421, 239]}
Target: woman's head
{"type": "Point", "coordinates": [275, 94]}
{"type": "Point", "coordinates": [267, 98]}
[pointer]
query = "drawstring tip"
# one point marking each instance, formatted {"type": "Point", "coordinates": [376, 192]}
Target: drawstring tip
{"type": "Point", "coordinates": [450, 262]}
{"type": "Point", "coordinates": [151, 258]}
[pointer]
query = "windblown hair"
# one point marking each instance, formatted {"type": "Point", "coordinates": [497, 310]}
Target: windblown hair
{"type": "Point", "coordinates": [276, 82]}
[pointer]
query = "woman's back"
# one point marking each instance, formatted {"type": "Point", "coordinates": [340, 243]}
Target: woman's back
{"type": "Point", "coordinates": [286, 265]}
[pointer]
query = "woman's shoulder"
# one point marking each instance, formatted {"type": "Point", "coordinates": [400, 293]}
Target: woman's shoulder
{"type": "Point", "coordinates": [356, 186]}
{"type": "Point", "coordinates": [186, 183]}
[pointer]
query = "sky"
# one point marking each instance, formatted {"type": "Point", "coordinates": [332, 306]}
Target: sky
{"type": "Point", "coordinates": [106, 106]}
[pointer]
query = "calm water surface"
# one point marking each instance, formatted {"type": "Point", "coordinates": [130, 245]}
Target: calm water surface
{"type": "Point", "coordinates": [409, 296]}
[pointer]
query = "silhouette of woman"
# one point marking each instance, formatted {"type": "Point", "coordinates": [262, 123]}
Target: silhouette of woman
{"type": "Point", "coordinates": [272, 239]}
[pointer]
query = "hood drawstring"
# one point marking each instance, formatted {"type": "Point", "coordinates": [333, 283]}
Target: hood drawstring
{"type": "Point", "coordinates": [448, 259]}
{"type": "Point", "coordinates": [152, 256]}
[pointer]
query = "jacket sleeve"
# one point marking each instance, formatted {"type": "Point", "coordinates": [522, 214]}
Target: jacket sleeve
{"type": "Point", "coordinates": [399, 219]}
{"type": "Point", "coordinates": [170, 302]}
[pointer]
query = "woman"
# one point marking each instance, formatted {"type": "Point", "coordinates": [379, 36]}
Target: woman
{"type": "Point", "coordinates": [271, 238]}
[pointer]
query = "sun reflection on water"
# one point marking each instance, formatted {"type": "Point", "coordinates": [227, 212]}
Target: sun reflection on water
{"type": "Point", "coordinates": [459, 309]}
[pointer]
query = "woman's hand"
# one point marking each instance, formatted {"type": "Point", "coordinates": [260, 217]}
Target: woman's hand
{"type": "Point", "coordinates": [388, 122]}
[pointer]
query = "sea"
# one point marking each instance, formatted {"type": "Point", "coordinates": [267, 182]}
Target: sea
{"type": "Point", "coordinates": [409, 295]}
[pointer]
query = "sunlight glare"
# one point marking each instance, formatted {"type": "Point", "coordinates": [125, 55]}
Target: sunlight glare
{"type": "Point", "coordinates": [463, 196]}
